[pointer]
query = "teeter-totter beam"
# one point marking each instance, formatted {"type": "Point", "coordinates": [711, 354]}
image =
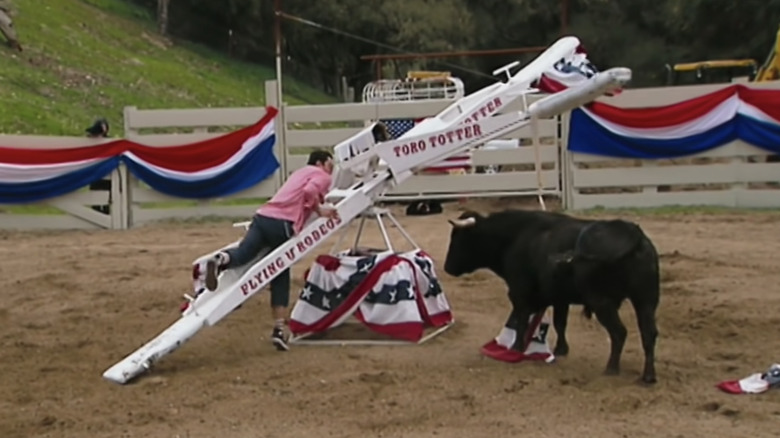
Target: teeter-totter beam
{"type": "Point", "coordinates": [359, 180]}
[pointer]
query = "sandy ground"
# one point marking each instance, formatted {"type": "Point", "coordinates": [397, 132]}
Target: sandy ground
{"type": "Point", "coordinates": [74, 303]}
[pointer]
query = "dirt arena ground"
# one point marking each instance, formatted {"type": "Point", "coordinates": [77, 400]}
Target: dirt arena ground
{"type": "Point", "coordinates": [74, 303]}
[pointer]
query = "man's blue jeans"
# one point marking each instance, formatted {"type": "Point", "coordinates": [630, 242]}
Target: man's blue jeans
{"type": "Point", "coordinates": [265, 233]}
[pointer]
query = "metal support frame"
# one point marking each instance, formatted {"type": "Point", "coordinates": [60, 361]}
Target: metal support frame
{"type": "Point", "coordinates": [301, 340]}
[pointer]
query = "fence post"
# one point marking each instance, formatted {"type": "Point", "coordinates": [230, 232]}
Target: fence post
{"type": "Point", "coordinates": [566, 163]}
{"type": "Point", "coordinates": [280, 148]}
{"type": "Point", "coordinates": [117, 204]}
{"type": "Point", "coordinates": [123, 175]}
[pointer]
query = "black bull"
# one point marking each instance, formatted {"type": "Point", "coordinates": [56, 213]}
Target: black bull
{"type": "Point", "coordinates": [551, 259]}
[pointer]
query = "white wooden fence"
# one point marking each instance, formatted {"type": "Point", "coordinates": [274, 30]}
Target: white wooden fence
{"type": "Point", "coordinates": [300, 136]}
{"type": "Point", "coordinates": [71, 211]}
{"type": "Point", "coordinates": [145, 204]}
{"type": "Point", "coordinates": [733, 175]}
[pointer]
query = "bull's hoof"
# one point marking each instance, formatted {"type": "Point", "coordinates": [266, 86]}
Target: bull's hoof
{"type": "Point", "coordinates": [611, 371]}
{"type": "Point", "coordinates": [648, 380]}
{"type": "Point", "coordinates": [561, 350]}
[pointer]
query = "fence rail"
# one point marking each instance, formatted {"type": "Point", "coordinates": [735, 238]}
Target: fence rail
{"type": "Point", "coordinates": [734, 175]}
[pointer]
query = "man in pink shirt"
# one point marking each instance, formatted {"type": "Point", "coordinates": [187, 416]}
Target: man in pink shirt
{"type": "Point", "coordinates": [276, 222]}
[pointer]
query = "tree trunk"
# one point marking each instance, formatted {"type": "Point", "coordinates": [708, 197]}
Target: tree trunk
{"type": "Point", "coordinates": [162, 16]}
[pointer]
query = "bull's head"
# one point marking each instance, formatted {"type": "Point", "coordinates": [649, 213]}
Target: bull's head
{"type": "Point", "coordinates": [463, 254]}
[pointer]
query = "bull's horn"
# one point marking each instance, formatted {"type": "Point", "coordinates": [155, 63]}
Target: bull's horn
{"type": "Point", "coordinates": [462, 223]}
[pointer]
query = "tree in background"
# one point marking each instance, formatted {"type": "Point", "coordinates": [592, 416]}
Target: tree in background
{"type": "Point", "coordinates": [162, 16]}
{"type": "Point", "coordinates": [643, 35]}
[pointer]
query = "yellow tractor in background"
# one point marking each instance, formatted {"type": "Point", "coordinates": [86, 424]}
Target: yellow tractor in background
{"type": "Point", "coordinates": [726, 70]}
{"type": "Point", "coordinates": [712, 72]}
{"type": "Point", "coordinates": [770, 71]}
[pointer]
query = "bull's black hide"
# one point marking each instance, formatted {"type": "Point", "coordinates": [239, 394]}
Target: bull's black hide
{"type": "Point", "coordinates": [552, 259]}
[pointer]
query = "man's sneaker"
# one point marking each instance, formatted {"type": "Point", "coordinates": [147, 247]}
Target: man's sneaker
{"type": "Point", "coordinates": [211, 273]}
{"type": "Point", "coordinates": [278, 339]}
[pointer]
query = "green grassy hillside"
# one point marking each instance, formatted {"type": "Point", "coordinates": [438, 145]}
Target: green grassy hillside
{"type": "Point", "coordinates": [85, 59]}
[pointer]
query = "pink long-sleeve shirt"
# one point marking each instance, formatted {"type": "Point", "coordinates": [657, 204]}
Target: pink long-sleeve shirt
{"type": "Point", "coordinates": [299, 196]}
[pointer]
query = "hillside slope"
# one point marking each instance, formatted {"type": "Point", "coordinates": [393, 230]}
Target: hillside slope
{"type": "Point", "coordinates": [85, 59]}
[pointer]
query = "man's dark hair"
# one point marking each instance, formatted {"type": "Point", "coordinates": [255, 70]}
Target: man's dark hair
{"type": "Point", "coordinates": [319, 157]}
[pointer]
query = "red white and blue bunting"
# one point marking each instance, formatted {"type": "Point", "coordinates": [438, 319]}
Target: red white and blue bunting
{"type": "Point", "coordinates": [689, 127]}
{"type": "Point", "coordinates": [211, 168]}
{"type": "Point", "coordinates": [685, 128]}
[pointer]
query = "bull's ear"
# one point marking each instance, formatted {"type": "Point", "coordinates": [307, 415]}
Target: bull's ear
{"type": "Point", "coordinates": [462, 223]}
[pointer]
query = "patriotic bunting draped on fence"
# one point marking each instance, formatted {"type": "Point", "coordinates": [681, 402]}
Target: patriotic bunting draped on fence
{"type": "Point", "coordinates": [216, 167]}
{"type": "Point", "coordinates": [684, 128]}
